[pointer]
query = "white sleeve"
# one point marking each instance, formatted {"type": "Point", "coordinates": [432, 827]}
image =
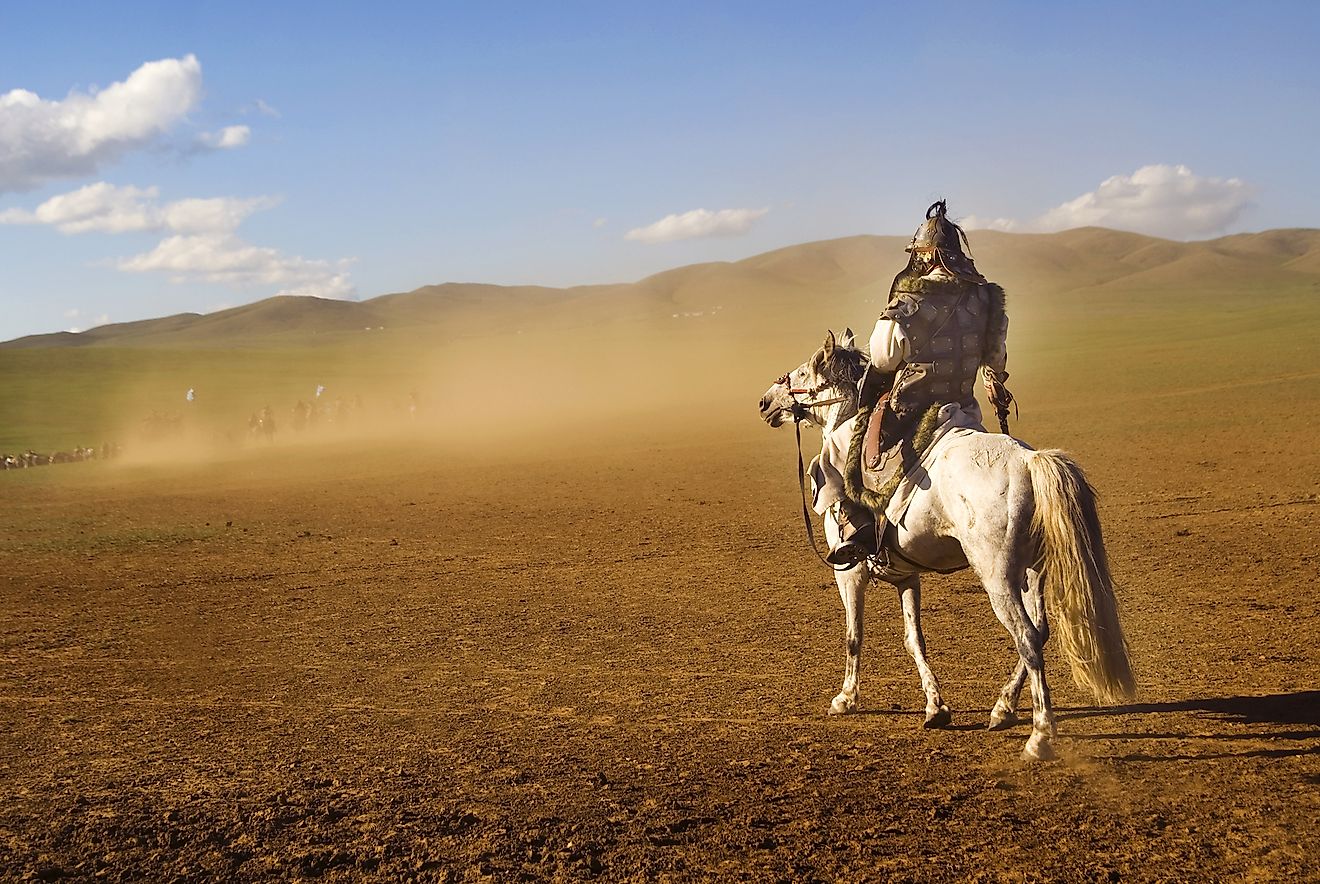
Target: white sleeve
{"type": "Point", "coordinates": [889, 345]}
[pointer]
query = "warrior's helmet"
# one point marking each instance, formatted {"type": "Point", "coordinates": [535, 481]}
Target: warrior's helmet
{"type": "Point", "coordinates": [938, 241]}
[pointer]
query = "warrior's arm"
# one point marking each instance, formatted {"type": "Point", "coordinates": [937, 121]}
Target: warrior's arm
{"type": "Point", "coordinates": [995, 358]}
{"type": "Point", "coordinates": [889, 345]}
{"type": "Point", "coordinates": [889, 349]}
{"type": "Point", "coordinates": [995, 355]}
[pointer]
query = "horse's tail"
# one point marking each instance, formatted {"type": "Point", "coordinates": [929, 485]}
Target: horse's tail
{"type": "Point", "coordinates": [1079, 591]}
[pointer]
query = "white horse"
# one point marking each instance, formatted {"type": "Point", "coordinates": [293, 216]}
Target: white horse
{"type": "Point", "coordinates": [1025, 521]}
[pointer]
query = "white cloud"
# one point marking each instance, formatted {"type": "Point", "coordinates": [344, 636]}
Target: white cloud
{"type": "Point", "coordinates": [698, 223]}
{"type": "Point", "coordinates": [227, 138]}
{"type": "Point", "coordinates": [1163, 200]}
{"type": "Point", "coordinates": [202, 245]}
{"type": "Point", "coordinates": [105, 208]}
{"type": "Point", "coordinates": [975, 222]}
{"type": "Point", "coordinates": [1160, 200]}
{"type": "Point", "coordinates": [96, 207]}
{"type": "Point", "coordinates": [264, 109]}
{"type": "Point", "coordinates": [41, 139]}
{"type": "Point", "coordinates": [222, 213]}
{"type": "Point", "coordinates": [74, 313]}
{"type": "Point", "coordinates": [224, 258]}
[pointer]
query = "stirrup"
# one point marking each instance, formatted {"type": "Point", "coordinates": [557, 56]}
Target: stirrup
{"type": "Point", "coordinates": [849, 552]}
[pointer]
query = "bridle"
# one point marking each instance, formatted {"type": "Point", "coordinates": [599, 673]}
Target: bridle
{"type": "Point", "coordinates": [799, 409]}
{"type": "Point", "coordinates": [799, 412]}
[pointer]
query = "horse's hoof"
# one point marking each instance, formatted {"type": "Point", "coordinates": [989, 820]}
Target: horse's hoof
{"type": "Point", "coordinates": [1001, 720]}
{"type": "Point", "coordinates": [842, 705]}
{"type": "Point", "coordinates": [939, 718]}
{"type": "Point", "coordinates": [1038, 748]}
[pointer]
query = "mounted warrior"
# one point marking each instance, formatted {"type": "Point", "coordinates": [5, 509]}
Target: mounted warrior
{"type": "Point", "coordinates": [910, 483]}
{"type": "Point", "coordinates": [943, 322]}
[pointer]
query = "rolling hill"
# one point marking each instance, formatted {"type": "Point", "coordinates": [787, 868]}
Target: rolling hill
{"type": "Point", "coordinates": [852, 268]}
{"type": "Point", "coordinates": [1085, 304]}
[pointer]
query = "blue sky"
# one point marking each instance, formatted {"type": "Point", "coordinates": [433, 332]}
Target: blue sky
{"type": "Point", "coordinates": [350, 150]}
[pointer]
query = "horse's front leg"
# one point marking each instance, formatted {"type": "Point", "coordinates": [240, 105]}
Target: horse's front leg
{"type": "Point", "coordinates": [852, 589]}
{"type": "Point", "coordinates": [909, 594]}
{"type": "Point", "coordinates": [1004, 714]}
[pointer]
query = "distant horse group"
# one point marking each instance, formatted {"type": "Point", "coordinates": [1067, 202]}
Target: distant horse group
{"type": "Point", "coordinates": [307, 416]}
{"type": "Point", "coordinates": [262, 425]}
{"type": "Point", "coordinates": [311, 416]}
{"type": "Point", "coordinates": [32, 458]}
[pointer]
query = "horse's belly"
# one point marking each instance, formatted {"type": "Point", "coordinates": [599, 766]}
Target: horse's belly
{"type": "Point", "coordinates": [935, 551]}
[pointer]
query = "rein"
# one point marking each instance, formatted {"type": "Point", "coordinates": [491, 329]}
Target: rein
{"type": "Point", "coordinates": [806, 515]}
{"type": "Point", "coordinates": [799, 414]}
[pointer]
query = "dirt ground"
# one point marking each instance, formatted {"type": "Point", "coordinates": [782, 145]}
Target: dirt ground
{"type": "Point", "coordinates": [413, 662]}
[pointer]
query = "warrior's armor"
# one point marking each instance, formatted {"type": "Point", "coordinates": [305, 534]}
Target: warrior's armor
{"type": "Point", "coordinates": [942, 323]}
{"type": "Point", "coordinates": [950, 319]}
{"type": "Point", "coordinates": [953, 327]}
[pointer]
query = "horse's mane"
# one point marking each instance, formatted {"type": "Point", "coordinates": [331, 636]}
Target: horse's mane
{"type": "Point", "coordinates": [842, 367]}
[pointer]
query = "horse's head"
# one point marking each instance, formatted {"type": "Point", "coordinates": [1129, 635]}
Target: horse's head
{"type": "Point", "coordinates": [827, 379]}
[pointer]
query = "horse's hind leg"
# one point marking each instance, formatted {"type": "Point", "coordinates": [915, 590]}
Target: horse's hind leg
{"type": "Point", "coordinates": [1008, 604]}
{"type": "Point", "coordinates": [909, 594]}
{"type": "Point", "coordinates": [852, 589]}
{"type": "Point", "coordinates": [1004, 713]}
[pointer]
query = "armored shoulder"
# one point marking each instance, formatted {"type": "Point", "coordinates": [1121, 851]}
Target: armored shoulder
{"type": "Point", "coordinates": [901, 306]}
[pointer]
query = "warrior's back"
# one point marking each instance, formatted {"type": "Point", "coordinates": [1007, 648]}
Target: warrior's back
{"type": "Point", "coordinates": [948, 324]}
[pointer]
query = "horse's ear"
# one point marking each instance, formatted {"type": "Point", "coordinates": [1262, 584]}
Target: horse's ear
{"type": "Point", "coordinates": [848, 341]}
{"type": "Point", "coordinates": [829, 342]}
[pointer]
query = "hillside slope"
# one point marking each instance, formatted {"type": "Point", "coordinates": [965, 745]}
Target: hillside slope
{"type": "Point", "coordinates": [838, 274]}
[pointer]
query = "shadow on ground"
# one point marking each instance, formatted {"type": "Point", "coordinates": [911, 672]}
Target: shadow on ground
{"type": "Point", "coordinates": [1301, 707]}
{"type": "Point", "coordinates": [1298, 708]}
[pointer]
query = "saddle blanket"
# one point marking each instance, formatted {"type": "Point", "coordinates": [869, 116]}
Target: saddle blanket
{"type": "Point", "coordinates": [827, 468]}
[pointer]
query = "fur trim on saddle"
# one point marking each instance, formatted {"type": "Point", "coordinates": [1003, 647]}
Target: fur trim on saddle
{"type": "Point", "coordinates": [913, 446]}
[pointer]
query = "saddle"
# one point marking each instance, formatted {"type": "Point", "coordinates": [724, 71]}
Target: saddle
{"type": "Point", "coordinates": [884, 450]}
{"type": "Point", "coordinates": [884, 434]}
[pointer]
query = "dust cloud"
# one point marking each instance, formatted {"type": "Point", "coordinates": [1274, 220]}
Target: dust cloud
{"type": "Point", "coordinates": [561, 392]}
